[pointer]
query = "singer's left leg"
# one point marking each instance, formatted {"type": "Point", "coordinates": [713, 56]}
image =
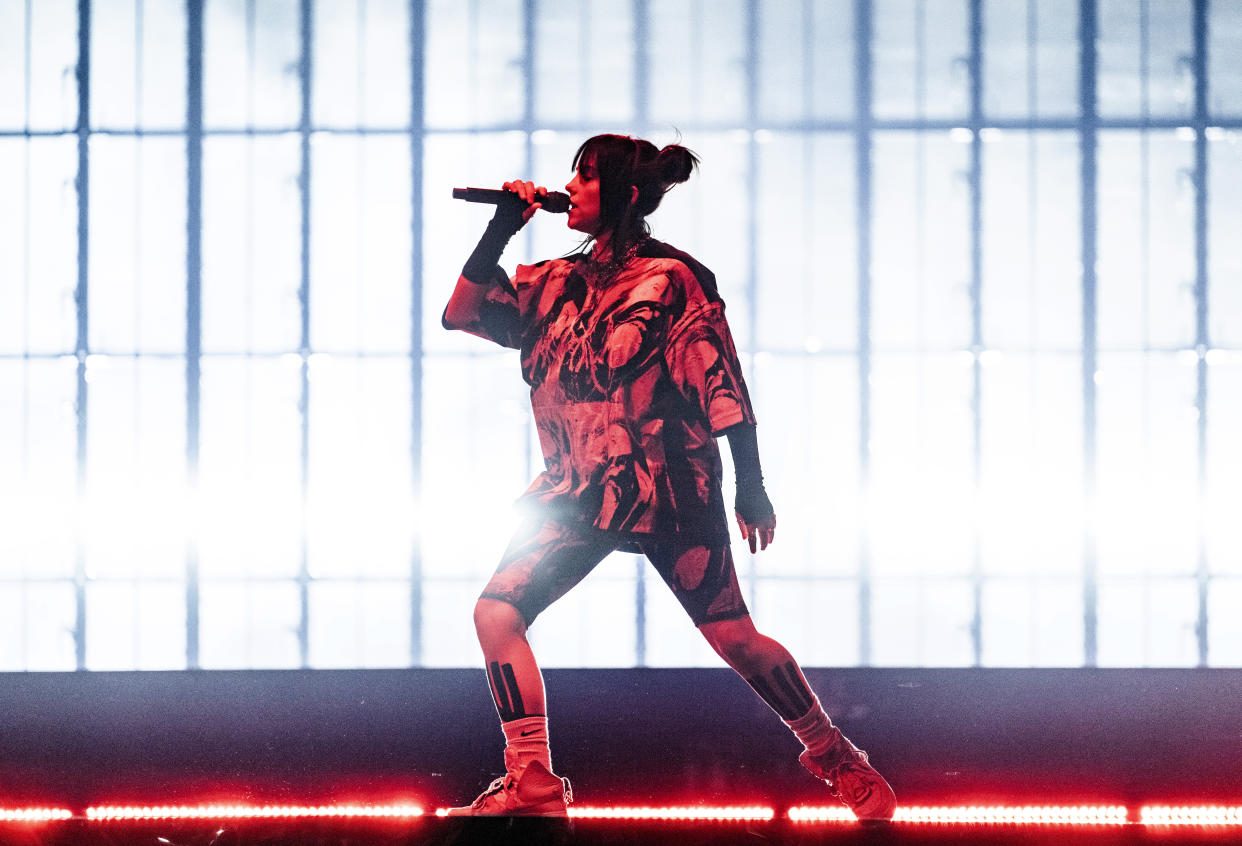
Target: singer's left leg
{"type": "Point", "coordinates": [704, 580]}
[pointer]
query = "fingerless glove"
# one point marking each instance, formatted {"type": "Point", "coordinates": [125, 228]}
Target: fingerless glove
{"type": "Point", "coordinates": [751, 502]}
{"type": "Point", "coordinates": [480, 268]}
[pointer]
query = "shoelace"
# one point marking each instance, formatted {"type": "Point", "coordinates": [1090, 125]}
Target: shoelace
{"type": "Point", "coordinates": [505, 782]}
{"type": "Point", "coordinates": [848, 763]}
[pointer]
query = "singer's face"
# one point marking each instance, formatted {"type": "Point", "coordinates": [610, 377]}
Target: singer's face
{"type": "Point", "coordinates": [583, 192]}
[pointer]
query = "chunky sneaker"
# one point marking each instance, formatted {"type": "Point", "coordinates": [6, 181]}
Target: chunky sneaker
{"type": "Point", "coordinates": [535, 793]}
{"type": "Point", "coordinates": [853, 780]}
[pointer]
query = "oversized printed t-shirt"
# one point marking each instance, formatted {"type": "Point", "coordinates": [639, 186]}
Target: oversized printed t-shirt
{"type": "Point", "coordinates": [629, 384]}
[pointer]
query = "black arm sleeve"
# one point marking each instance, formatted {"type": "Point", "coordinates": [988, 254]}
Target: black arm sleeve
{"type": "Point", "coordinates": [752, 502]}
{"type": "Point", "coordinates": [481, 267]}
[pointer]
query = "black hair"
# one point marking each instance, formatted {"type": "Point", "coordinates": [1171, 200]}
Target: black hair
{"type": "Point", "coordinates": [623, 163]}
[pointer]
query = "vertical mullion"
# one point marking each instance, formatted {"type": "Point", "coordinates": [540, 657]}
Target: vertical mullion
{"type": "Point", "coordinates": [976, 315]}
{"type": "Point", "coordinates": [862, 136]}
{"type": "Point", "coordinates": [304, 128]}
{"type": "Point", "coordinates": [1087, 140]}
{"type": "Point", "coordinates": [752, 223]}
{"type": "Point", "coordinates": [1202, 337]}
{"type": "Point", "coordinates": [193, 305]}
{"type": "Point", "coordinates": [642, 81]}
{"type": "Point", "coordinates": [417, 37]}
{"type": "Point", "coordinates": [82, 347]}
{"type": "Point", "coordinates": [529, 11]}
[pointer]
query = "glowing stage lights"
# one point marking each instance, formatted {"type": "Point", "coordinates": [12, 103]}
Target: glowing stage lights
{"type": "Point", "coordinates": [1151, 816]}
{"type": "Point", "coordinates": [34, 815]}
{"type": "Point", "coordinates": [1087, 815]}
{"type": "Point", "coordinates": [821, 813]}
{"type": "Point", "coordinates": [106, 813]}
{"type": "Point", "coordinates": [700, 813]}
{"type": "Point", "coordinates": [1200, 815]}
{"type": "Point", "coordinates": [675, 813]}
{"type": "Point", "coordinates": [1017, 815]}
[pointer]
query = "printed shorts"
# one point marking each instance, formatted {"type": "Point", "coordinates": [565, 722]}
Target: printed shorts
{"type": "Point", "coordinates": [546, 558]}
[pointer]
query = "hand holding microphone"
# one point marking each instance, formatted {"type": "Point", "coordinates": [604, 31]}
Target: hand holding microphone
{"type": "Point", "coordinates": [517, 196]}
{"type": "Point", "coordinates": [515, 205]}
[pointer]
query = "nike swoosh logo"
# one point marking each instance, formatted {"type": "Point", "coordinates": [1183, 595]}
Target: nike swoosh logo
{"type": "Point", "coordinates": [525, 733]}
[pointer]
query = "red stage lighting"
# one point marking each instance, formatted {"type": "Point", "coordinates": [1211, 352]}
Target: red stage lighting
{"type": "Point", "coordinates": [821, 813]}
{"type": "Point", "coordinates": [105, 813]}
{"type": "Point", "coordinates": [1202, 815]}
{"type": "Point", "coordinates": [700, 813]}
{"type": "Point", "coordinates": [682, 812]}
{"type": "Point", "coordinates": [34, 815]}
{"type": "Point", "coordinates": [978, 814]}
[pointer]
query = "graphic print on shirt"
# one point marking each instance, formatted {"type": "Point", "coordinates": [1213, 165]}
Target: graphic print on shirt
{"type": "Point", "coordinates": [630, 383]}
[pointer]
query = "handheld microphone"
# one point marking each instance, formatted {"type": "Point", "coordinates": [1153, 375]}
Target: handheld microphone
{"type": "Point", "coordinates": [555, 201]}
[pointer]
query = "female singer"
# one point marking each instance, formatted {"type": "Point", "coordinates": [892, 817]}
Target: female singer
{"type": "Point", "coordinates": [633, 376]}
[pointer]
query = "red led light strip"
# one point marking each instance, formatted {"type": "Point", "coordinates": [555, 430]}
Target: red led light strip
{"type": "Point", "coordinates": [685, 812]}
{"type": "Point", "coordinates": [107, 813]}
{"type": "Point", "coordinates": [1201, 815]}
{"type": "Point", "coordinates": [979, 815]}
{"type": "Point", "coordinates": [34, 814]}
{"type": "Point", "coordinates": [1061, 815]}
{"type": "Point", "coordinates": [701, 813]}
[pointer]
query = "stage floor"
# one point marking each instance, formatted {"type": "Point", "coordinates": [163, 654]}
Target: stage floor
{"type": "Point", "coordinates": [1120, 742]}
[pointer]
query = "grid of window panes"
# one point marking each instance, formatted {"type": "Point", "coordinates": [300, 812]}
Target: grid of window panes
{"type": "Point", "coordinates": [980, 258]}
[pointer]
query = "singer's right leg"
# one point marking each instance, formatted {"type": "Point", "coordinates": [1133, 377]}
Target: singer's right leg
{"type": "Point", "coordinates": [543, 561]}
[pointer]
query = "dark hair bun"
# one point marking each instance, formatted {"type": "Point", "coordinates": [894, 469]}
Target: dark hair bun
{"type": "Point", "coordinates": [676, 163]}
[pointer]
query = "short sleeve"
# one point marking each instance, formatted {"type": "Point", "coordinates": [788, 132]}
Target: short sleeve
{"type": "Point", "coordinates": [703, 364]}
{"type": "Point", "coordinates": [507, 310]}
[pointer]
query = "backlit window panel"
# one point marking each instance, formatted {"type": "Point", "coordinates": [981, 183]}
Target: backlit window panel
{"type": "Point", "coordinates": [1030, 59]}
{"type": "Point", "coordinates": [918, 48]}
{"type": "Point", "coordinates": [1146, 262]}
{"type": "Point", "coordinates": [471, 56]}
{"type": "Point", "coordinates": [362, 63]}
{"type": "Point", "coordinates": [807, 60]}
{"type": "Point", "coordinates": [993, 454]}
{"type": "Point", "coordinates": [250, 62]}
{"type": "Point", "coordinates": [807, 199]}
{"type": "Point", "coordinates": [38, 88]}
{"type": "Point", "coordinates": [137, 255]}
{"type": "Point", "coordinates": [38, 218]}
{"type": "Point", "coordinates": [1142, 58]}
{"type": "Point", "coordinates": [138, 68]}
{"type": "Point", "coordinates": [251, 235]}
{"type": "Point", "coordinates": [697, 52]}
{"type": "Point", "coordinates": [588, 75]}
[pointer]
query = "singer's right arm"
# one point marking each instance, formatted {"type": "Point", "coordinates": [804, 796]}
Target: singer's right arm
{"type": "Point", "coordinates": [466, 301]}
{"type": "Point", "coordinates": [482, 270]}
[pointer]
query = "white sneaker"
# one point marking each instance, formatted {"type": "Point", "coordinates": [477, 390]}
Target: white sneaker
{"type": "Point", "coordinates": [853, 780]}
{"type": "Point", "coordinates": [535, 793]}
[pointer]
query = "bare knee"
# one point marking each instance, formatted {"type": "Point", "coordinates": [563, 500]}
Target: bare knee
{"type": "Point", "coordinates": [495, 621]}
{"type": "Point", "coordinates": [736, 641]}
